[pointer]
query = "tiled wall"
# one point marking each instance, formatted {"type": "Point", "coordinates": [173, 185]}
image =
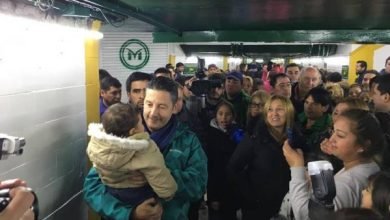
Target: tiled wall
{"type": "Point", "coordinates": [42, 98]}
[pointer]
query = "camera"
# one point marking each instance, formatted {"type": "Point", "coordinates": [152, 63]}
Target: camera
{"type": "Point", "coordinates": [202, 87]}
{"type": "Point", "coordinates": [11, 146]}
{"type": "Point", "coordinates": [5, 199]}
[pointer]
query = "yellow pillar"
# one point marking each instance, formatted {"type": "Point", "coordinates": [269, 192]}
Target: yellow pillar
{"type": "Point", "coordinates": [92, 86]}
{"type": "Point", "coordinates": [225, 64]}
{"type": "Point", "coordinates": [172, 60]}
{"type": "Point", "coordinates": [364, 52]}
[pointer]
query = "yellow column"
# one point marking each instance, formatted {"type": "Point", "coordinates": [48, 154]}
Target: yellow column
{"type": "Point", "coordinates": [225, 64]}
{"type": "Point", "coordinates": [364, 52]}
{"type": "Point", "coordinates": [172, 60]}
{"type": "Point", "coordinates": [92, 86]}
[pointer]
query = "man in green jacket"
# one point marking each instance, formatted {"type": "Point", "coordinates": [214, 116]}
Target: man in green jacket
{"type": "Point", "coordinates": [183, 156]}
{"type": "Point", "coordinates": [237, 97]}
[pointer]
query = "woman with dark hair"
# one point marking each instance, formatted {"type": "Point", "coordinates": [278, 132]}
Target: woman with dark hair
{"type": "Point", "coordinates": [257, 167]}
{"type": "Point", "coordinates": [377, 194]}
{"type": "Point", "coordinates": [356, 138]}
{"type": "Point", "coordinates": [222, 137]}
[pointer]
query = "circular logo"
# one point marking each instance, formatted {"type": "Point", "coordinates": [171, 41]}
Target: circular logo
{"type": "Point", "coordinates": [134, 54]}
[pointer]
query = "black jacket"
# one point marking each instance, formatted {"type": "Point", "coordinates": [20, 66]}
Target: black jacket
{"type": "Point", "coordinates": [219, 150]}
{"type": "Point", "coordinates": [260, 172]}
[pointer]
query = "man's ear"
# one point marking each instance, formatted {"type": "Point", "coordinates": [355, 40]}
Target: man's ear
{"type": "Point", "coordinates": [175, 108]}
{"type": "Point", "coordinates": [102, 92]}
{"type": "Point", "coordinates": [325, 108]}
{"type": "Point", "coordinates": [386, 97]}
{"type": "Point", "coordinates": [132, 131]}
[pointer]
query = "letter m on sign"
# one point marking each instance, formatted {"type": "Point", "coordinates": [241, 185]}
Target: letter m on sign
{"type": "Point", "coordinates": [131, 55]}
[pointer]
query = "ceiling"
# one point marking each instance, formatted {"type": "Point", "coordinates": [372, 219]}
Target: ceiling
{"type": "Point", "coordinates": [311, 23]}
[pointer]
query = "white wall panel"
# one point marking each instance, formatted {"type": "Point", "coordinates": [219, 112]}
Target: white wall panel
{"type": "Point", "coordinates": [380, 56]}
{"type": "Point", "coordinates": [42, 98]}
{"type": "Point", "coordinates": [110, 60]}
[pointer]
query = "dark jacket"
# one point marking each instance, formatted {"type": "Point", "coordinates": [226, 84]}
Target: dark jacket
{"type": "Point", "coordinates": [240, 104]}
{"type": "Point", "coordinates": [260, 172]}
{"type": "Point", "coordinates": [220, 147]}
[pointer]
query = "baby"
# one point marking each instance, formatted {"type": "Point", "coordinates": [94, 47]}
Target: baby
{"type": "Point", "coordinates": [129, 163]}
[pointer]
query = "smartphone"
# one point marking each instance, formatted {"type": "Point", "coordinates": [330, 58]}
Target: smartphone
{"type": "Point", "coordinates": [290, 137]}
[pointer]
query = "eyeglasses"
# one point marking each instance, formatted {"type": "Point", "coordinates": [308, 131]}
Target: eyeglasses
{"type": "Point", "coordinates": [256, 105]}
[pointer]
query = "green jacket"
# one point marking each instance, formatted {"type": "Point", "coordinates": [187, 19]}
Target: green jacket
{"type": "Point", "coordinates": [317, 132]}
{"type": "Point", "coordinates": [187, 162]}
{"type": "Point", "coordinates": [240, 103]}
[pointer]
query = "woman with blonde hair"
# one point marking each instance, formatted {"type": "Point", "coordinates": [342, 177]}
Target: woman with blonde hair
{"type": "Point", "coordinates": [258, 168]}
{"type": "Point", "coordinates": [255, 110]}
{"type": "Point", "coordinates": [335, 91]}
{"type": "Point", "coordinates": [248, 85]}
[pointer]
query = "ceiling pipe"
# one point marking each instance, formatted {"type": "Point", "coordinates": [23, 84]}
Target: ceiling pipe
{"type": "Point", "coordinates": [128, 11]}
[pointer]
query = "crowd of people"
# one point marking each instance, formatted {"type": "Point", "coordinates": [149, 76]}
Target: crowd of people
{"type": "Point", "coordinates": [168, 151]}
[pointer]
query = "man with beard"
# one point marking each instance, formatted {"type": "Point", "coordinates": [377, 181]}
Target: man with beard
{"type": "Point", "coordinates": [110, 93]}
{"type": "Point", "coordinates": [136, 85]}
{"type": "Point", "coordinates": [361, 68]}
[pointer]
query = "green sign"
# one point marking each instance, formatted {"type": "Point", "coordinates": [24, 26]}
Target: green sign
{"type": "Point", "coordinates": [344, 71]}
{"type": "Point", "coordinates": [134, 54]}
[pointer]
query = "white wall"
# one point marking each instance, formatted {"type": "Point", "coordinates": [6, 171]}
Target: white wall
{"type": "Point", "coordinates": [42, 96]}
{"type": "Point", "coordinates": [380, 56]}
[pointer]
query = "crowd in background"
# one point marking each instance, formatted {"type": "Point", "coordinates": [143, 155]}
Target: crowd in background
{"type": "Point", "coordinates": [242, 119]}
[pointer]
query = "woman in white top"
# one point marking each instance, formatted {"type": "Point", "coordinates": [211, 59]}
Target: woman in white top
{"type": "Point", "coordinates": [356, 138]}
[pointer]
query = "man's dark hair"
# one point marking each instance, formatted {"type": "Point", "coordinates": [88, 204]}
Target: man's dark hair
{"type": "Point", "coordinates": [136, 76]}
{"type": "Point", "coordinates": [169, 66]}
{"type": "Point", "coordinates": [119, 118]}
{"type": "Point", "coordinates": [179, 64]}
{"type": "Point", "coordinates": [103, 74]}
{"type": "Point", "coordinates": [363, 64]}
{"type": "Point", "coordinates": [162, 70]}
{"type": "Point", "coordinates": [293, 65]}
{"type": "Point", "coordinates": [383, 82]}
{"type": "Point", "coordinates": [387, 59]}
{"type": "Point", "coordinates": [165, 84]}
{"type": "Point", "coordinates": [321, 96]}
{"type": "Point", "coordinates": [275, 77]}
{"type": "Point", "coordinates": [108, 82]}
{"type": "Point", "coordinates": [334, 77]}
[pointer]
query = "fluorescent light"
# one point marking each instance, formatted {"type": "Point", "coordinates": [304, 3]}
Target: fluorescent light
{"type": "Point", "coordinates": [19, 28]}
{"type": "Point", "coordinates": [192, 59]}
